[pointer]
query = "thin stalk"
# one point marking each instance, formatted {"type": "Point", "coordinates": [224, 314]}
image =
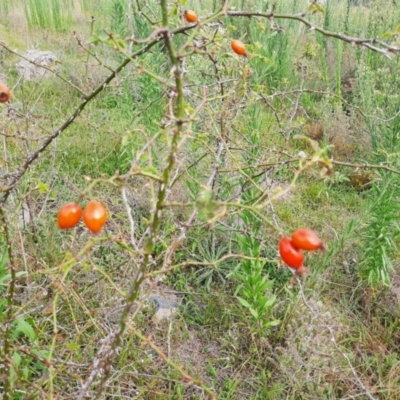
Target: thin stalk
{"type": "Point", "coordinates": [92, 20]}
{"type": "Point", "coordinates": [5, 369]}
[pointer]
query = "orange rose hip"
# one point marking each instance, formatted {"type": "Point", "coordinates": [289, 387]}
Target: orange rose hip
{"type": "Point", "coordinates": [290, 254]}
{"type": "Point", "coordinates": [306, 239]}
{"type": "Point", "coordinates": [190, 16]}
{"type": "Point", "coordinates": [238, 47]}
{"type": "Point", "coordinates": [69, 215]}
{"type": "Point", "coordinates": [95, 216]}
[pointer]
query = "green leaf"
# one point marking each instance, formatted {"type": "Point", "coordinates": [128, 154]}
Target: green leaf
{"type": "Point", "coordinates": [270, 302]}
{"type": "Point", "coordinates": [93, 39]}
{"type": "Point", "coordinates": [25, 373]}
{"type": "Point", "coordinates": [183, 2]}
{"type": "Point", "coordinates": [16, 361]}
{"type": "Point", "coordinates": [275, 322]}
{"type": "Point", "coordinates": [3, 259]}
{"type": "Point", "coordinates": [125, 139]}
{"type": "Point", "coordinates": [25, 328]}
{"type": "Point", "coordinates": [73, 346]}
{"type": "Point", "coordinates": [7, 277]}
{"type": "Point", "coordinates": [387, 34]}
{"type": "Point", "coordinates": [150, 170]}
{"type": "Point", "coordinates": [254, 313]}
{"type": "Point", "coordinates": [43, 187]}
{"type": "Point", "coordinates": [243, 302]}
{"type": "Point", "coordinates": [121, 44]}
{"type": "Point", "coordinates": [103, 37]}
{"type": "Point", "coordinates": [315, 8]}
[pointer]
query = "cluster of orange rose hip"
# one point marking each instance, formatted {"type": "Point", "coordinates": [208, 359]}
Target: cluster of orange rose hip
{"type": "Point", "coordinates": [290, 249]}
{"type": "Point", "coordinates": [94, 216]}
{"type": "Point", "coordinates": [237, 45]}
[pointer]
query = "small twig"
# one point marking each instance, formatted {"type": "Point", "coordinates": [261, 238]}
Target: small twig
{"type": "Point", "coordinates": [373, 166]}
{"type": "Point", "coordinates": [130, 218]}
{"type": "Point", "coordinates": [90, 53]}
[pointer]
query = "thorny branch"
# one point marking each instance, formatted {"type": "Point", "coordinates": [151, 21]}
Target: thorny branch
{"type": "Point", "coordinates": [371, 43]}
{"type": "Point", "coordinates": [102, 362]}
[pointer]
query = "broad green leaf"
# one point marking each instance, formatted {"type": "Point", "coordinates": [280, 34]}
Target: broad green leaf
{"type": "Point", "coordinates": [25, 328]}
{"type": "Point", "coordinates": [16, 361]}
{"type": "Point", "coordinates": [243, 302]}
{"type": "Point", "coordinates": [7, 277]}
{"type": "Point", "coordinates": [270, 301]}
{"type": "Point", "coordinates": [254, 313]}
